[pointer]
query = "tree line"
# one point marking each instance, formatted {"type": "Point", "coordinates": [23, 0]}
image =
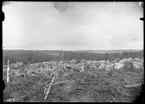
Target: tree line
{"type": "Point", "coordinates": [40, 56]}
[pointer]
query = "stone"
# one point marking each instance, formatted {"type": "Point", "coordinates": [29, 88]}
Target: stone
{"type": "Point", "coordinates": [103, 65]}
{"type": "Point", "coordinates": [118, 66]}
{"type": "Point", "coordinates": [109, 67]}
{"type": "Point", "coordinates": [138, 65]}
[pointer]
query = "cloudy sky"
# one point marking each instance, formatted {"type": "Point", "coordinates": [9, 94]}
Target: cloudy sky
{"type": "Point", "coordinates": [77, 26]}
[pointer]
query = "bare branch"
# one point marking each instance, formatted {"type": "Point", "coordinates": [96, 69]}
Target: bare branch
{"type": "Point", "coordinates": [48, 90]}
{"type": "Point", "coordinates": [133, 85]}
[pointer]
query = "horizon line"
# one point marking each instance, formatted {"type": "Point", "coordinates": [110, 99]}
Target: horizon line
{"type": "Point", "coordinates": [74, 50]}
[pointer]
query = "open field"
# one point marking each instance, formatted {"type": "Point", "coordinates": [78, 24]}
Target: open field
{"type": "Point", "coordinates": [73, 51]}
{"type": "Point", "coordinates": [75, 81]}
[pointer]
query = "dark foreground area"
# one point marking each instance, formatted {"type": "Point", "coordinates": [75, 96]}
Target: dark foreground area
{"type": "Point", "coordinates": [73, 81]}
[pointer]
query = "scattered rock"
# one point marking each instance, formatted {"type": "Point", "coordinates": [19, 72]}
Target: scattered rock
{"type": "Point", "coordinates": [84, 67]}
{"type": "Point", "coordinates": [118, 66]}
{"type": "Point", "coordinates": [138, 65]}
{"type": "Point", "coordinates": [103, 66]}
{"type": "Point", "coordinates": [109, 67]}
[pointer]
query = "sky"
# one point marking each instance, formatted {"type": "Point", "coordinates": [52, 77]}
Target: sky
{"type": "Point", "coordinates": [76, 26]}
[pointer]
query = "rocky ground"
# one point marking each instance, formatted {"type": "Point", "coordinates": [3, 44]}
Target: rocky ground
{"type": "Point", "coordinates": [75, 81]}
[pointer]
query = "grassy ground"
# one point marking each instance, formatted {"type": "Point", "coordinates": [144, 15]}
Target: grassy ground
{"type": "Point", "coordinates": [88, 86]}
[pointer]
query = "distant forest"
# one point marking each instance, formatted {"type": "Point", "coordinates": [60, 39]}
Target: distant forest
{"type": "Point", "coordinates": [40, 56]}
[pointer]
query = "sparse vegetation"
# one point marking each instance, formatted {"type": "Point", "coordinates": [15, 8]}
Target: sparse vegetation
{"type": "Point", "coordinates": [29, 83]}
